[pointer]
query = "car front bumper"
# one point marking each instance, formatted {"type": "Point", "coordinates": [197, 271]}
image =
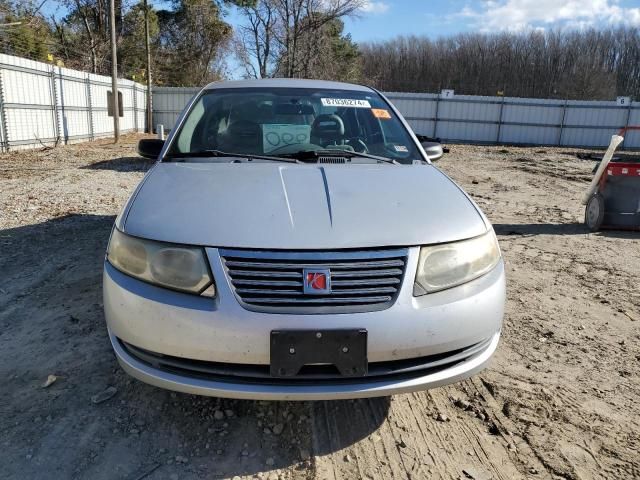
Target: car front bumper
{"type": "Point", "coordinates": [326, 391]}
{"type": "Point", "coordinates": [220, 330]}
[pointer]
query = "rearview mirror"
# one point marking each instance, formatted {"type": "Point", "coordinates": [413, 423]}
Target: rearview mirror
{"type": "Point", "coordinates": [150, 147]}
{"type": "Point", "coordinates": [293, 109]}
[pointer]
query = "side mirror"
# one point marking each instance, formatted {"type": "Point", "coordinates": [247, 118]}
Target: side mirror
{"type": "Point", "coordinates": [150, 147]}
{"type": "Point", "coordinates": [432, 147]}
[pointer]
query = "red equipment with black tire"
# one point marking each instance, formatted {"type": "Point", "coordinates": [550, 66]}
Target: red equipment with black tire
{"type": "Point", "coordinates": [613, 200]}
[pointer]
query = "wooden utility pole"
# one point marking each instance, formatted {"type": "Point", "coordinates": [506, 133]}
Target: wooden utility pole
{"type": "Point", "coordinates": [148, 47]}
{"type": "Point", "coordinates": [114, 73]}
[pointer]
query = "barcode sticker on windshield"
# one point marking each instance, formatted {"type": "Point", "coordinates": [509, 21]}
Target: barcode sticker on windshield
{"type": "Point", "coordinates": [345, 102]}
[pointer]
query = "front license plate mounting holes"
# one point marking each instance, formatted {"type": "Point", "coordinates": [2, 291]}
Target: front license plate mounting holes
{"type": "Point", "coordinates": [293, 349]}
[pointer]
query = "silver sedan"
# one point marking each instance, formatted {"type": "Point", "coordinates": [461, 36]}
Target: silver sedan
{"type": "Point", "coordinates": [294, 242]}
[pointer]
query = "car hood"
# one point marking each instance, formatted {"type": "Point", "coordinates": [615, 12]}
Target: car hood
{"type": "Point", "coordinates": [276, 206]}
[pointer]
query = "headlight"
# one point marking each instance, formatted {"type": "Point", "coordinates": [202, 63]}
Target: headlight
{"type": "Point", "coordinates": [164, 264]}
{"type": "Point", "coordinates": [450, 264]}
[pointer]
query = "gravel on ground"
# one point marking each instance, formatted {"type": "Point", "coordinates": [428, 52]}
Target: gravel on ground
{"type": "Point", "coordinates": [560, 399]}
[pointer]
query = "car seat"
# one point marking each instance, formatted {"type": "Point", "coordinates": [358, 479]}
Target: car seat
{"type": "Point", "coordinates": [242, 133]}
{"type": "Point", "coordinates": [327, 130]}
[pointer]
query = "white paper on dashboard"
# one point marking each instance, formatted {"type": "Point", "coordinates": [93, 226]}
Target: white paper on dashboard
{"type": "Point", "coordinates": [276, 136]}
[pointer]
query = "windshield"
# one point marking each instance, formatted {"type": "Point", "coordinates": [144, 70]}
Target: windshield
{"type": "Point", "coordinates": [290, 121]}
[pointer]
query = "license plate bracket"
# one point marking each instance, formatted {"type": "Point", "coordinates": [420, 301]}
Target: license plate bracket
{"type": "Point", "coordinates": [344, 348]}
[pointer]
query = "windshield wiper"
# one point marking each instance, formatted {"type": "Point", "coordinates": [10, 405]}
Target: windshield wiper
{"type": "Point", "coordinates": [221, 154]}
{"type": "Point", "coordinates": [314, 154]}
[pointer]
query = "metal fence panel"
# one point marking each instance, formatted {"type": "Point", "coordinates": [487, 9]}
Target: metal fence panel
{"type": "Point", "coordinates": [42, 104]}
{"type": "Point", "coordinates": [633, 137]}
{"type": "Point", "coordinates": [72, 103]}
{"type": "Point", "coordinates": [141, 105]}
{"type": "Point", "coordinates": [26, 125]}
{"type": "Point", "coordinates": [102, 123]}
{"type": "Point", "coordinates": [126, 120]}
{"type": "Point", "coordinates": [168, 102]}
{"type": "Point", "coordinates": [517, 134]}
{"type": "Point", "coordinates": [27, 101]}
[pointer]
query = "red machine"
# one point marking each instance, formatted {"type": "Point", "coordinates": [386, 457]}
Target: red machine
{"type": "Point", "coordinates": [613, 198]}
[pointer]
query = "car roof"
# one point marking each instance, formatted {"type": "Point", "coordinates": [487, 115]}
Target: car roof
{"type": "Point", "coordinates": [287, 83]}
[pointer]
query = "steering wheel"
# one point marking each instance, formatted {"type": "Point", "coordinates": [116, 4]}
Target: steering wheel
{"type": "Point", "coordinates": [243, 134]}
{"type": "Point", "coordinates": [244, 129]}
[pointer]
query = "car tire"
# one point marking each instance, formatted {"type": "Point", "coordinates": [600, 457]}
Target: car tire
{"type": "Point", "coordinates": [594, 212]}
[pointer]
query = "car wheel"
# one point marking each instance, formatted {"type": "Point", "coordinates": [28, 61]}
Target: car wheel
{"type": "Point", "coordinates": [594, 212]}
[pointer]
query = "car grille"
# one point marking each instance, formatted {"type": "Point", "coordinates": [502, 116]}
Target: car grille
{"type": "Point", "coordinates": [310, 374]}
{"type": "Point", "coordinates": [272, 281]}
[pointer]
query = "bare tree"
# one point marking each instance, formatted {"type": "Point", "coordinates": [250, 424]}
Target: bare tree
{"type": "Point", "coordinates": [278, 36]}
{"type": "Point", "coordinates": [585, 64]}
{"type": "Point", "coordinates": [88, 19]}
{"type": "Point", "coordinates": [255, 40]}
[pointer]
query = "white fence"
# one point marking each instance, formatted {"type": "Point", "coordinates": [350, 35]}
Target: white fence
{"type": "Point", "coordinates": [44, 104]}
{"type": "Point", "coordinates": [526, 121]}
{"type": "Point", "coordinates": [476, 119]}
{"type": "Point", "coordinates": [168, 102]}
{"type": "Point", "coordinates": [41, 104]}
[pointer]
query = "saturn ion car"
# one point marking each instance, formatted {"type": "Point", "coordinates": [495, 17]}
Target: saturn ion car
{"type": "Point", "coordinates": [295, 242]}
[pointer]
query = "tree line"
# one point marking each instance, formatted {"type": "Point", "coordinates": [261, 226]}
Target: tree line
{"type": "Point", "coordinates": [581, 64]}
{"type": "Point", "coordinates": [192, 43]}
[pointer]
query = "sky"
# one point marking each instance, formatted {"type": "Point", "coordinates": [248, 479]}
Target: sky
{"type": "Point", "coordinates": [383, 19]}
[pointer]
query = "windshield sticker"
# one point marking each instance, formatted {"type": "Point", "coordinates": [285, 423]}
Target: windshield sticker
{"type": "Point", "coordinates": [401, 148]}
{"type": "Point", "coordinates": [275, 136]}
{"type": "Point", "coordinates": [381, 113]}
{"type": "Point", "coordinates": [345, 102]}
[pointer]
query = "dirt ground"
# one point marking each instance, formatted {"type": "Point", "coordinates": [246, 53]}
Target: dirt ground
{"type": "Point", "coordinates": [560, 399]}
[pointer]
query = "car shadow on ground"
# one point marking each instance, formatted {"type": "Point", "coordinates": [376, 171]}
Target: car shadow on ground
{"type": "Point", "coordinates": [183, 435]}
{"type": "Point", "coordinates": [530, 229]}
{"type": "Point", "coordinates": [52, 323]}
{"type": "Point", "coordinates": [122, 164]}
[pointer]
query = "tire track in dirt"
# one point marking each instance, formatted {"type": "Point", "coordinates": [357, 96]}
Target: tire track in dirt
{"type": "Point", "coordinates": [422, 436]}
